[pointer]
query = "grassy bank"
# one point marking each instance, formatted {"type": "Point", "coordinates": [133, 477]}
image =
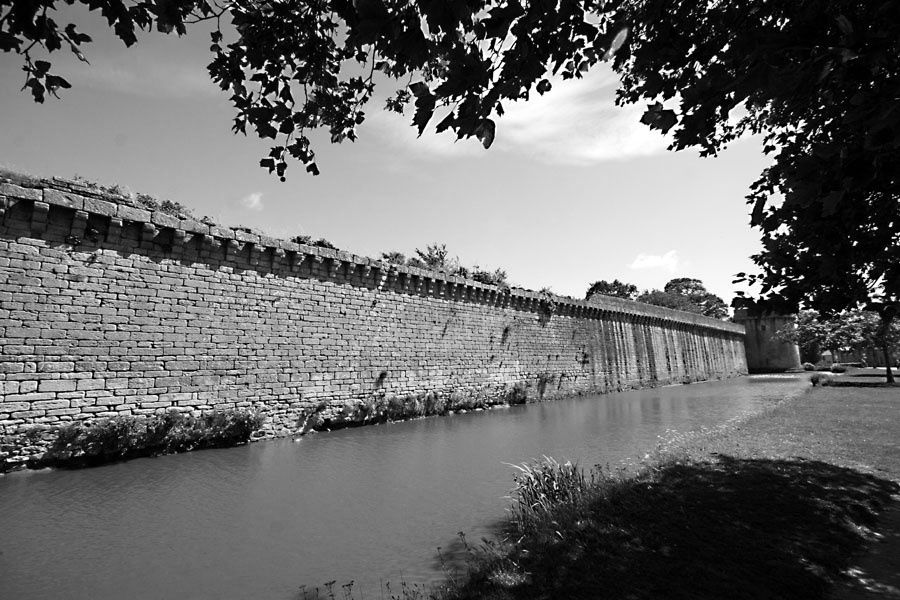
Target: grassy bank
{"type": "Point", "coordinates": [779, 506]}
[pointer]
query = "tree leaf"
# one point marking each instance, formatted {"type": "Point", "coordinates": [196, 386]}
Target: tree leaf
{"type": "Point", "coordinates": [424, 110]}
{"type": "Point", "coordinates": [658, 117]}
{"type": "Point", "coordinates": [419, 89]}
{"type": "Point", "coordinates": [485, 132]}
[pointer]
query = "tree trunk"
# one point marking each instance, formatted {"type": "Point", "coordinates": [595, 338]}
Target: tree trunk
{"type": "Point", "coordinates": [887, 358]}
{"type": "Point", "coordinates": [885, 347]}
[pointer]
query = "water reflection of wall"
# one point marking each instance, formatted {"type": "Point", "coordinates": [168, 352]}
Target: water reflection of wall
{"type": "Point", "coordinates": [111, 309]}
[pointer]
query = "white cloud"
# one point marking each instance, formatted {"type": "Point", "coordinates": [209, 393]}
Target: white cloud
{"type": "Point", "coordinates": [576, 122]}
{"type": "Point", "coordinates": [252, 201]}
{"type": "Point", "coordinates": [668, 261]}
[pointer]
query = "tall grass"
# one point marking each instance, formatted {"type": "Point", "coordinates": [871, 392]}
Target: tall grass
{"type": "Point", "coordinates": [546, 488]}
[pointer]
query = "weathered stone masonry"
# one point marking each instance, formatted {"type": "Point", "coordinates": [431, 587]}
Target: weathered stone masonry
{"type": "Point", "coordinates": [108, 309]}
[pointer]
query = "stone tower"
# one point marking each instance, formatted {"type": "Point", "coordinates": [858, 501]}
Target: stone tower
{"type": "Point", "coordinates": [765, 352]}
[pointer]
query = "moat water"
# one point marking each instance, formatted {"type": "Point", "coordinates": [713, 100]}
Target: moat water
{"type": "Point", "coordinates": [371, 504]}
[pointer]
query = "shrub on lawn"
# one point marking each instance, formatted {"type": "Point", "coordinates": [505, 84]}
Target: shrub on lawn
{"type": "Point", "coordinates": [836, 368]}
{"type": "Point", "coordinates": [808, 366]}
{"type": "Point", "coordinates": [820, 379]}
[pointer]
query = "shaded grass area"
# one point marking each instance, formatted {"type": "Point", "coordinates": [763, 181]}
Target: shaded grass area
{"type": "Point", "coordinates": [121, 438]}
{"type": "Point", "coordinates": [722, 528]}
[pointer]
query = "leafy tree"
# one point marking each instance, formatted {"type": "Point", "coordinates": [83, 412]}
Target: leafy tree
{"type": "Point", "coordinates": [437, 257]}
{"type": "Point", "coordinates": [819, 79]}
{"type": "Point", "coordinates": [849, 330]}
{"type": "Point", "coordinates": [693, 289]}
{"type": "Point", "coordinates": [309, 241]}
{"type": "Point", "coordinates": [808, 332]}
{"type": "Point", "coordinates": [615, 288]}
{"type": "Point", "coordinates": [495, 277]}
{"type": "Point", "coordinates": [689, 295]}
{"type": "Point", "coordinates": [668, 300]}
{"type": "Point", "coordinates": [397, 258]}
{"type": "Point", "coordinates": [685, 286]}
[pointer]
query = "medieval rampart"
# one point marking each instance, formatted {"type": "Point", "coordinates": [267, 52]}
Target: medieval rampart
{"type": "Point", "coordinates": [107, 308]}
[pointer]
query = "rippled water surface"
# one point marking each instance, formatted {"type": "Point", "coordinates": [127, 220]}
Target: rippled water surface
{"type": "Point", "coordinates": [369, 504]}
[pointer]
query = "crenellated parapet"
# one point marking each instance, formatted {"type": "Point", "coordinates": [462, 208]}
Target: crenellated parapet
{"type": "Point", "coordinates": [97, 215]}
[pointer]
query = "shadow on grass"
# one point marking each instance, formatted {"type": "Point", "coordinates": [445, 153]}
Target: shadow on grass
{"type": "Point", "coordinates": [862, 384]}
{"type": "Point", "coordinates": [731, 528]}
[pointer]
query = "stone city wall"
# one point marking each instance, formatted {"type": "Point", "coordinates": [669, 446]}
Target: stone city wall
{"type": "Point", "coordinates": [107, 308]}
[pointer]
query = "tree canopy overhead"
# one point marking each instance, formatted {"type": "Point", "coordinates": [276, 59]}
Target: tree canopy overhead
{"type": "Point", "coordinates": [292, 67]}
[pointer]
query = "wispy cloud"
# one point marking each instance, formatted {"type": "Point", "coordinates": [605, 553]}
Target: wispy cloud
{"type": "Point", "coordinates": [668, 261]}
{"type": "Point", "coordinates": [576, 122]}
{"type": "Point", "coordinates": [253, 201]}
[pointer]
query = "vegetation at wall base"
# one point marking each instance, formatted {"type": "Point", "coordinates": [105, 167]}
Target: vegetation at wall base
{"type": "Point", "coordinates": [122, 438]}
{"type": "Point", "coordinates": [390, 408]}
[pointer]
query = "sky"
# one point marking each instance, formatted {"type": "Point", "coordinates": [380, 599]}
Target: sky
{"type": "Point", "coordinates": [573, 190]}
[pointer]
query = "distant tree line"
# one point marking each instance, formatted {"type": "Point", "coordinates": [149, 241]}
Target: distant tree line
{"type": "Point", "coordinates": [682, 293]}
{"type": "Point", "coordinates": [857, 331]}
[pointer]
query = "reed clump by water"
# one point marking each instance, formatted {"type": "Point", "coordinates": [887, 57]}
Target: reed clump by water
{"type": "Point", "coordinates": [125, 437]}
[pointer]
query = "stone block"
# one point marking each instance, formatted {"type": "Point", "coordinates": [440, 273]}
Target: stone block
{"type": "Point", "coordinates": [164, 220]}
{"type": "Point", "coordinates": [57, 385]}
{"type": "Point", "coordinates": [65, 199]}
{"type": "Point", "coordinates": [49, 404]}
{"type": "Point", "coordinates": [100, 207]}
{"type": "Point", "coordinates": [16, 191]}
{"type": "Point", "coordinates": [192, 226]}
{"type": "Point", "coordinates": [182, 365]}
{"type": "Point", "coordinates": [22, 332]}
{"type": "Point", "coordinates": [90, 384]}
{"type": "Point", "coordinates": [130, 213]}
{"type": "Point", "coordinates": [243, 236]}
